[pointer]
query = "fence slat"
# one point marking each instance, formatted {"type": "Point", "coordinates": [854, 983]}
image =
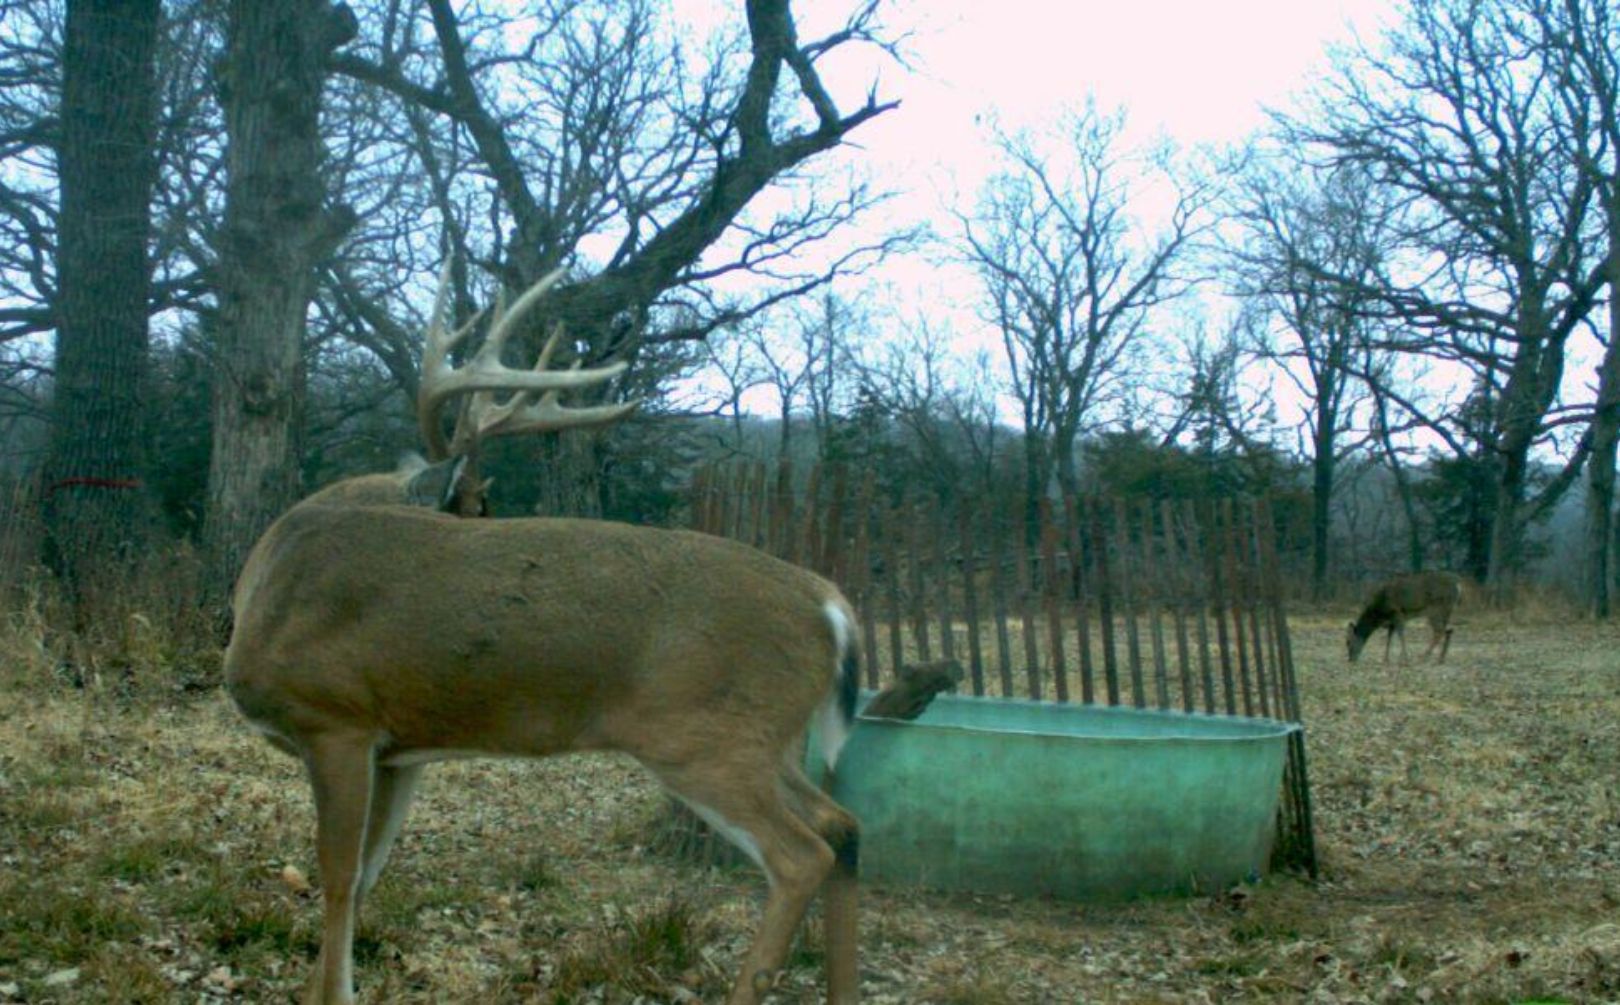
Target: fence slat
{"type": "Point", "coordinates": [1049, 599]}
{"type": "Point", "coordinates": [1234, 604]}
{"type": "Point", "coordinates": [1176, 564]}
{"type": "Point", "coordinates": [998, 578]}
{"type": "Point", "coordinates": [970, 601]}
{"type": "Point", "coordinates": [1105, 603]}
{"type": "Point", "coordinates": [1082, 607]}
{"type": "Point", "coordinates": [940, 579]}
{"type": "Point", "coordinates": [891, 575]}
{"type": "Point", "coordinates": [1026, 614]}
{"type": "Point", "coordinates": [1154, 599]}
{"type": "Point", "coordinates": [1133, 640]}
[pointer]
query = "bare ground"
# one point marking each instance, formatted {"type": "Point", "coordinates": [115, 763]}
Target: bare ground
{"type": "Point", "coordinates": [1468, 816]}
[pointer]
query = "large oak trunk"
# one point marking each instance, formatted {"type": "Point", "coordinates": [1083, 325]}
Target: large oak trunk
{"type": "Point", "coordinates": [94, 502]}
{"type": "Point", "coordinates": [1600, 543]}
{"type": "Point", "coordinates": [277, 227]}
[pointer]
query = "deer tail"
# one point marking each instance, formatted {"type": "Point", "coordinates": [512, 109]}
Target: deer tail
{"type": "Point", "coordinates": [837, 712]}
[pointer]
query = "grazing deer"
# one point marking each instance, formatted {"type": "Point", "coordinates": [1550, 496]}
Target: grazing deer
{"type": "Point", "coordinates": [1433, 593]}
{"type": "Point", "coordinates": [373, 636]}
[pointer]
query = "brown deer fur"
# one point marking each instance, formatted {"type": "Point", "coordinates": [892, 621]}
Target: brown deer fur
{"type": "Point", "coordinates": [1435, 594]}
{"type": "Point", "coordinates": [911, 694]}
{"type": "Point", "coordinates": [372, 637]}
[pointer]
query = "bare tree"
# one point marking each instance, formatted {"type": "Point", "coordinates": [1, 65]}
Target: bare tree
{"type": "Point", "coordinates": [1581, 39]}
{"type": "Point", "coordinates": [1071, 280]}
{"type": "Point", "coordinates": [30, 49]}
{"type": "Point", "coordinates": [1296, 230]}
{"type": "Point", "coordinates": [943, 409]}
{"type": "Point", "coordinates": [800, 354]}
{"type": "Point", "coordinates": [597, 143]}
{"type": "Point", "coordinates": [1494, 268]}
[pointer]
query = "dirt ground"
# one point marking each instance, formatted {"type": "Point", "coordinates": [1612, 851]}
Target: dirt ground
{"type": "Point", "coordinates": [1468, 818]}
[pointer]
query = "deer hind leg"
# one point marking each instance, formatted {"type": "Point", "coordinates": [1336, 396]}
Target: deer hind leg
{"type": "Point", "coordinates": [840, 901]}
{"type": "Point", "coordinates": [751, 808]}
{"type": "Point", "coordinates": [391, 792]}
{"type": "Point", "coordinates": [341, 772]}
{"type": "Point", "coordinates": [1439, 637]}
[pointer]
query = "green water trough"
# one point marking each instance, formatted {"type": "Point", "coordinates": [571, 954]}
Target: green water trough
{"type": "Point", "coordinates": [1071, 801]}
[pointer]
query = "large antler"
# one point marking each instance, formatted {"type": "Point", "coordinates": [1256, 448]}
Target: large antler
{"type": "Point", "coordinates": [531, 405]}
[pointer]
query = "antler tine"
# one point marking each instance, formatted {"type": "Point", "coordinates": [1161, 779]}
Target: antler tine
{"type": "Point", "coordinates": [526, 412]}
{"type": "Point", "coordinates": [506, 318]}
{"type": "Point", "coordinates": [436, 370]}
{"type": "Point", "coordinates": [436, 344]}
{"type": "Point", "coordinates": [532, 405]}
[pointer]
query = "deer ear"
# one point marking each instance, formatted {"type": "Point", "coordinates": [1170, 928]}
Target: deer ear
{"type": "Point", "coordinates": [435, 484]}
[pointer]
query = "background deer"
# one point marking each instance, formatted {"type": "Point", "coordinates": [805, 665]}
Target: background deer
{"type": "Point", "coordinates": [372, 637]}
{"type": "Point", "coordinates": [1433, 593]}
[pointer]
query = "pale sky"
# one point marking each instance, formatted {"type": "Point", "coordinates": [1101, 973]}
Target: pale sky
{"type": "Point", "coordinates": [1195, 71]}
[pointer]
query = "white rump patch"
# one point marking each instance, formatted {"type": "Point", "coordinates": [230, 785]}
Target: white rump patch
{"type": "Point", "coordinates": [830, 724]}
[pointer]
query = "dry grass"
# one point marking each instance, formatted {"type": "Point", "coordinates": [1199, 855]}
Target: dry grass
{"type": "Point", "coordinates": [1468, 819]}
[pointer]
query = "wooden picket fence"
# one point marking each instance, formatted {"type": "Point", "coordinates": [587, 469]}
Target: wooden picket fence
{"type": "Point", "coordinates": [1150, 604]}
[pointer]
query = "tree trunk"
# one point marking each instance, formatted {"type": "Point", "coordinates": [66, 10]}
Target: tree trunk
{"type": "Point", "coordinates": [95, 501]}
{"type": "Point", "coordinates": [1605, 436]}
{"type": "Point", "coordinates": [570, 481]}
{"type": "Point", "coordinates": [277, 227]}
{"type": "Point", "coordinates": [1035, 468]}
{"type": "Point", "coordinates": [1322, 465]}
{"type": "Point", "coordinates": [1537, 364]}
{"type": "Point", "coordinates": [1505, 525]}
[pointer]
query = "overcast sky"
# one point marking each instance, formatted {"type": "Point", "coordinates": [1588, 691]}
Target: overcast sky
{"type": "Point", "coordinates": [1196, 71]}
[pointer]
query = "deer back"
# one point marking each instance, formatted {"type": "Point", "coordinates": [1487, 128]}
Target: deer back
{"type": "Point", "coordinates": [526, 635]}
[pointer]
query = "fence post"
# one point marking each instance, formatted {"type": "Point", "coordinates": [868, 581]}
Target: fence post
{"type": "Point", "coordinates": [970, 600]}
{"type": "Point", "coordinates": [1026, 614]}
{"type": "Point", "coordinates": [939, 573]}
{"type": "Point", "coordinates": [1153, 596]}
{"type": "Point", "coordinates": [1176, 564]}
{"type": "Point", "coordinates": [998, 575]}
{"type": "Point", "coordinates": [1105, 601]}
{"type": "Point", "coordinates": [1082, 607]}
{"type": "Point", "coordinates": [1133, 641]}
{"type": "Point", "coordinates": [1049, 597]}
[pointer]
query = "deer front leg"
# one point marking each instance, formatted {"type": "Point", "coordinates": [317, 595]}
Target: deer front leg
{"type": "Point", "coordinates": [341, 772]}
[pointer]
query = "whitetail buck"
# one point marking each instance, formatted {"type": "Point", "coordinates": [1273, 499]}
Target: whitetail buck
{"type": "Point", "coordinates": [1435, 594]}
{"type": "Point", "coordinates": [372, 637]}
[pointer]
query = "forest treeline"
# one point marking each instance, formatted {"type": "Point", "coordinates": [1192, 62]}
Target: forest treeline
{"type": "Point", "coordinates": [223, 222]}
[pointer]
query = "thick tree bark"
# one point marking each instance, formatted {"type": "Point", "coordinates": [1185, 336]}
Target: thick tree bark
{"type": "Point", "coordinates": [571, 482]}
{"type": "Point", "coordinates": [278, 226]}
{"type": "Point", "coordinates": [1600, 541]}
{"type": "Point", "coordinates": [94, 505]}
{"type": "Point", "coordinates": [1532, 385]}
{"type": "Point", "coordinates": [1322, 465]}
